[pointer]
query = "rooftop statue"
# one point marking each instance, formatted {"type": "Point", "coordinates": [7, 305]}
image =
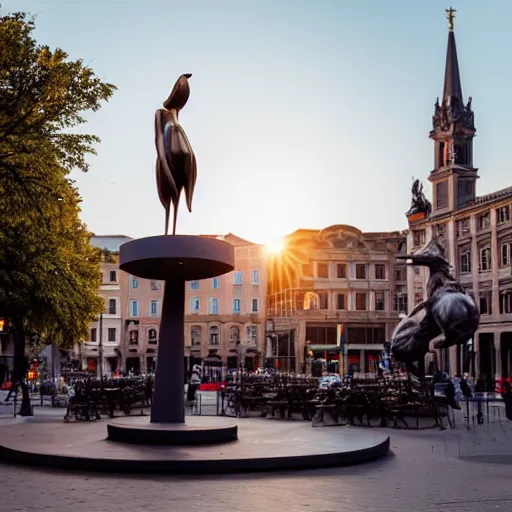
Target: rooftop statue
{"type": "Point", "coordinates": [419, 203]}
{"type": "Point", "coordinates": [176, 167]}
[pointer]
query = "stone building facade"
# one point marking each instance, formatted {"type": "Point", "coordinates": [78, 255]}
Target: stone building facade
{"type": "Point", "coordinates": [476, 232]}
{"type": "Point", "coordinates": [101, 353]}
{"type": "Point", "coordinates": [224, 316]}
{"type": "Point", "coordinates": [332, 282]}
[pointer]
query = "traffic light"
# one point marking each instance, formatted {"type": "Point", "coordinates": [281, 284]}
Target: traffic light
{"type": "Point", "coordinates": [2, 325]}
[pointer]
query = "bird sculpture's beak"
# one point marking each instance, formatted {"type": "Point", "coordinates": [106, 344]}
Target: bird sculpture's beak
{"type": "Point", "coordinates": [187, 75]}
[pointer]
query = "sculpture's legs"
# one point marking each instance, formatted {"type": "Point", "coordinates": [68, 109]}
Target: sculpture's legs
{"type": "Point", "coordinates": [167, 213]}
{"type": "Point", "coordinates": [168, 405]}
{"type": "Point", "coordinates": [175, 216]}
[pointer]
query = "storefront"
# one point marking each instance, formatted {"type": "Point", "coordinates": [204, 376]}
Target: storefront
{"type": "Point", "coordinates": [280, 351]}
{"type": "Point", "coordinates": [326, 357]}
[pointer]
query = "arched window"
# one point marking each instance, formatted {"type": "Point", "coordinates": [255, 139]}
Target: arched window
{"type": "Point", "coordinates": [234, 334]}
{"type": "Point", "coordinates": [311, 301]}
{"type": "Point", "coordinates": [152, 336]}
{"type": "Point", "coordinates": [252, 334]}
{"type": "Point", "coordinates": [195, 335]}
{"type": "Point", "coordinates": [214, 335]}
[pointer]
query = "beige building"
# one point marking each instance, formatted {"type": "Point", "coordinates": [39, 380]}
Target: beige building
{"type": "Point", "coordinates": [101, 352]}
{"type": "Point", "coordinates": [476, 232]}
{"type": "Point", "coordinates": [328, 282]}
{"type": "Point", "coordinates": [224, 316]}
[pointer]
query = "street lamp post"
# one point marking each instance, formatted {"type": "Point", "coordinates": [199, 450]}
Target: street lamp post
{"type": "Point", "coordinates": [100, 362]}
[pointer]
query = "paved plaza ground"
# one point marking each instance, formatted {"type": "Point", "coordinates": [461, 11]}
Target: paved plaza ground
{"type": "Point", "coordinates": [454, 470]}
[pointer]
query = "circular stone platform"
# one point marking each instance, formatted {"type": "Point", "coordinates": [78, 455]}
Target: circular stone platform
{"type": "Point", "coordinates": [197, 430]}
{"type": "Point", "coordinates": [262, 445]}
{"type": "Point", "coordinates": [186, 257]}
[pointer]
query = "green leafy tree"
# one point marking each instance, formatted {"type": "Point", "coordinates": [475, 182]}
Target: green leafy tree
{"type": "Point", "coordinates": [48, 270]}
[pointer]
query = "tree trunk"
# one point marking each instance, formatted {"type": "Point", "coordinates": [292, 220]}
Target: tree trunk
{"type": "Point", "coordinates": [20, 369]}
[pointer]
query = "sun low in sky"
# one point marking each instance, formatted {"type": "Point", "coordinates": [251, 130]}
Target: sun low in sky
{"type": "Point", "coordinates": [275, 246]}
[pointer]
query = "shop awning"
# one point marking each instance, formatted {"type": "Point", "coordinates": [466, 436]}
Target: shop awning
{"type": "Point", "coordinates": [323, 348]}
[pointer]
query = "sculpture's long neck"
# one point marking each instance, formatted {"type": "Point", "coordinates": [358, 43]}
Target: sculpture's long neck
{"type": "Point", "coordinates": [174, 116]}
{"type": "Point", "coordinates": [439, 277]}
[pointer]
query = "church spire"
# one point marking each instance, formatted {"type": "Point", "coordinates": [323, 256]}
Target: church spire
{"type": "Point", "coordinates": [452, 85]}
{"type": "Point", "coordinates": [453, 131]}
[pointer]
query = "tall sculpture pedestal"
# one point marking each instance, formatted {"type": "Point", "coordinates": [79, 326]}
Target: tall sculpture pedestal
{"type": "Point", "coordinates": [174, 259]}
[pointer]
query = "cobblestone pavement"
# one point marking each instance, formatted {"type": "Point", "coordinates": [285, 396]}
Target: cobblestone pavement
{"type": "Point", "coordinates": [455, 470]}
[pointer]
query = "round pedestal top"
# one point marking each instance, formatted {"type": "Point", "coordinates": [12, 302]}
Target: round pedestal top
{"type": "Point", "coordinates": [183, 257]}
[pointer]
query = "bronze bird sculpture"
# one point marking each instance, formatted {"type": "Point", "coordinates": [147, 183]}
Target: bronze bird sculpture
{"type": "Point", "coordinates": [176, 167]}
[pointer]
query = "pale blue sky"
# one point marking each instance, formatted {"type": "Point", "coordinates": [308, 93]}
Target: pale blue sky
{"type": "Point", "coordinates": [319, 108]}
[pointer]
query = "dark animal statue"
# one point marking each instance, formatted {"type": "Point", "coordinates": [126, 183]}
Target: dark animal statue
{"type": "Point", "coordinates": [448, 317]}
{"type": "Point", "coordinates": [176, 167]}
{"type": "Point", "coordinates": [419, 203]}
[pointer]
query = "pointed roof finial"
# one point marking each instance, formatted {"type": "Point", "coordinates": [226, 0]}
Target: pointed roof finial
{"type": "Point", "coordinates": [450, 16]}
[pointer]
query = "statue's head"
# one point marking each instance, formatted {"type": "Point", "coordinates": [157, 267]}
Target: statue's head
{"type": "Point", "coordinates": [431, 255]}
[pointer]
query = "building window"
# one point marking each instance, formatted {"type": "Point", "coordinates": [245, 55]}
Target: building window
{"type": "Point", "coordinates": [341, 270]}
{"type": "Point", "coordinates": [465, 192]}
{"type": "Point", "coordinates": [195, 336]}
{"type": "Point", "coordinates": [465, 262]}
{"type": "Point", "coordinates": [503, 214]}
{"type": "Point", "coordinates": [111, 334]}
{"type": "Point", "coordinates": [400, 299]}
{"type": "Point", "coordinates": [215, 283]}
{"type": "Point", "coordinates": [440, 230]}
{"type": "Point", "coordinates": [360, 301]}
{"type": "Point", "coordinates": [236, 305]}
{"type": "Point", "coordinates": [463, 227]}
{"type": "Point", "coordinates": [322, 270]}
{"type": "Point", "coordinates": [505, 253]}
{"type": "Point", "coordinates": [194, 285]}
{"type": "Point", "coordinates": [442, 194]}
{"type": "Point", "coordinates": [213, 306]}
{"type": "Point", "coordinates": [135, 283]}
{"type": "Point", "coordinates": [112, 307]}
{"type": "Point", "coordinates": [239, 278]}
{"type": "Point", "coordinates": [234, 334]}
{"type": "Point", "coordinates": [195, 304]}
{"type": "Point", "coordinates": [418, 237]}
{"type": "Point", "coordinates": [153, 310]}
{"type": "Point", "coordinates": [506, 302]}
{"type": "Point", "coordinates": [483, 221]}
{"type": "Point", "coordinates": [366, 335]}
{"type": "Point", "coordinates": [134, 337]}
{"type": "Point", "coordinates": [340, 301]}
{"type": "Point", "coordinates": [360, 271]}
{"type": "Point", "coordinates": [155, 286]}
{"type": "Point", "coordinates": [485, 259]}
{"type": "Point", "coordinates": [113, 276]}
{"type": "Point", "coordinates": [380, 304]}
{"type": "Point", "coordinates": [252, 334]}
{"type": "Point", "coordinates": [307, 270]}
{"type": "Point", "coordinates": [214, 335]}
{"type": "Point", "coordinates": [254, 308]}
{"type": "Point", "coordinates": [486, 303]}
{"type": "Point", "coordinates": [134, 307]}
{"type": "Point", "coordinates": [400, 274]}
{"type": "Point", "coordinates": [94, 332]}
{"type": "Point", "coordinates": [418, 295]}
{"type": "Point", "coordinates": [324, 300]}
{"type": "Point", "coordinates": [255, 277]}
{"type": "Point", "coordinates": [152, 337]}
{"type": "Point", "coordinates": [380, 271]}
